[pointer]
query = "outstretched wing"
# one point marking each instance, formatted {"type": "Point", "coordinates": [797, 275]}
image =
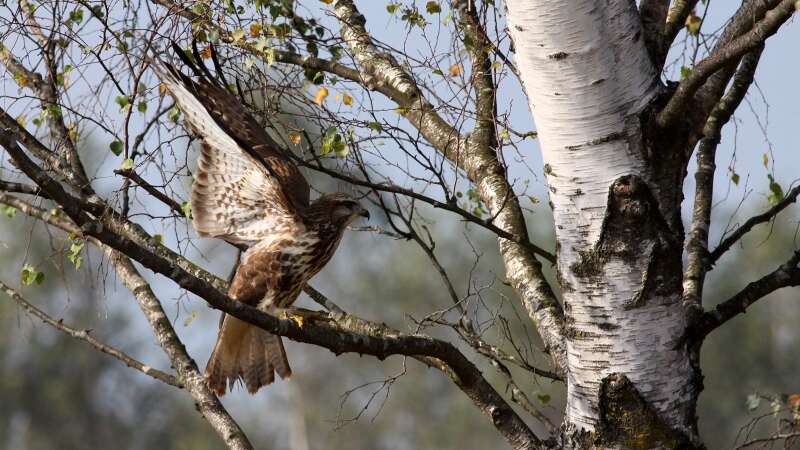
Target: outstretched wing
{"type": "Point", "coordinates": [244, 186]}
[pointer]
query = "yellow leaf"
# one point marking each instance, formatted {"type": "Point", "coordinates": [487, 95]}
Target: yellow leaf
{"type": "Point", "coordinates": [322, 94]}
{"type": "Point", "coordinates": [295, 138]}
{"type": "Point", "coordinates": [237, 35]}
{"type": "Point", "coordinates": [22, 120]}
{"type": "Point", "coordinates": [298, 319]}
{"type": "Point", "coordinates": [255, 29]}
{"type": "Point", "coordinates": [206, 53]}
{"type": "Point", "coordinates": [455, 70]}
{"type": "Point", "coordinates": [347, 100]}
{"type": "Point", "coordinates": [693, 23]}
{"type": "Point", "coordinates": [162, 89]}
{"type": "Point", "coordinates": [72, 132]}
{"type": "Point", "coordinates": [327, 2]}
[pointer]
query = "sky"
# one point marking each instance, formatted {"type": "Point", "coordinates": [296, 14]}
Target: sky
{"type": "Point", "coordinates": [766, 123]}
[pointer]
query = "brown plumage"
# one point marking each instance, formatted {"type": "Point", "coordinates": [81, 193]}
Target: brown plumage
{"type": "Point", "coordinates": [248, 191]}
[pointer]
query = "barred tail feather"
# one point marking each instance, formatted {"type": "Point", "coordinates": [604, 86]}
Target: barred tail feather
{"type": "Point", "coordinates": [247, 353]}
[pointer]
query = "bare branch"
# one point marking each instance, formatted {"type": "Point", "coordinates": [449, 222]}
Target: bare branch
{"type": "Point", "coordinates": [697, 243]}
{"type": "Point", "coordinates": [728, 54]}
{"type": "Point", "coordinates": [675, 21]}
{"type": "Point", "coordinates": [83, 335]}
{"type": "Point", "coordinates": [47, 91]}
{"type": "Point", "coordinates": [766, 216]}
{"type": "Point", "coordinates": [661, 24]}
{"type": "Point", "coordinates": [706, 98]}
{"type": "Point", "coordinates": [351, 334]}
{"type": "Point", "coordinates": [786, 275]}
{"type": "Point", "coordinates": [207, 403]}
{"type": "Point", "coordinates": [519, 397]}
{"type": "Point", "coordinates": [771, 440]}
{"type": "Point", "coordinates": [447, 206]}
{"type": "Point", "coordinates": [152, 190]}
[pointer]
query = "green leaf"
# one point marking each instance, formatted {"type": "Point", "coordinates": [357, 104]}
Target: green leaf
{"type": "Point", "coordinates": [122, 101]}
{"type": "Point", "coordinates": [433, 8]}
{"type": "Point", "coordinates": [30, 275]}
{"type": "Point", "coordinates": [543, 397]}
{"type": "Point", "coordinates": [753, 401]}
{"type": "Point", "coordinates": [186, 207]}
{"type": "Point", "coordinates": [142, 107]}
{"type": "Point", "coordinates": [127, 164]}
{"type": "Point", "coordinates": [685, 72]}
{"type": "Point", "coordinates": [413, 17]}
{"type": "Point", "coordinates": [193, 315]}
{"type": "Point", "coordinates": [392, 8]}
{"type": "Point", "coordinates": [735, 178]}
{"type": "Point", "coordinates": [765, 159]}
{"type": "Point", "coordinates": [8, 210]}
{"type": "Point", "coordinates": [174, 114]}
{"type": "Point", "coordinates": [75, 17]}
{"type": "Point", "coordinates": [775, 191]}
{"type": "Point", "coordinates": [332, 142]}
{"type": "Point", "coordinates": [97, 10]}
{"type": "Point", "coordinates": [74, 253]}
{"type": "Point", "coordinates": [115, 147]}
{"type": "Point", "coordinates": [158, 238]}
{"type": "Point", "coordinates": [375, 126]}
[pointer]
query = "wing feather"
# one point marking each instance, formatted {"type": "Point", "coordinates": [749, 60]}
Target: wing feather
{"type": "Point", "coordinates": [244, 188]}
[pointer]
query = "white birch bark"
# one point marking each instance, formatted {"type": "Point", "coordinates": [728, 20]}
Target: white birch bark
{"type": "Point", "coordinates": [588, 77]}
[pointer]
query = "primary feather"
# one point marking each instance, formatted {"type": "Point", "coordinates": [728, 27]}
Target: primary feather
{"type": "Point", "coordinates": [247, 191]}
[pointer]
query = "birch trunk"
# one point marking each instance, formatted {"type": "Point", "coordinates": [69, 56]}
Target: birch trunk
{"type": "Point", "coordinates": [591, 84]}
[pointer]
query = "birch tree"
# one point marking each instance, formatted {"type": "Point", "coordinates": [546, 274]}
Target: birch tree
{"type": "Point", "coordinates": [415, 126]}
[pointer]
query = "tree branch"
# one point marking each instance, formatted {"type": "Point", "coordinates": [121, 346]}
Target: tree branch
{"type": "Point", "coordinates": [675, 21]}
{"type": "Point", "coordinates": [766, 216]}
{"type": "Point", "coordinates": [661, 24]}
{"type": "Point", "coordinates": [152, 190]}
{"type": "Point", "coordinates": [47, 92]}
{"type": "Point", "coordinates": [697, 243]}
{"type": "Point", "coordinates": [788, 274]}
{"type": "Point", "coordinates": [350, 334]}
{"type": "Point", "coordinates": [207, 403]}
{"type": "Point", "coordinates": [706, 98]}
{"type": "Point", "coordinates": [447, 206]}
{"type": "Point", "coordinates": [722, 57]}
{"type": "Point", "coordinates": [83, 335]}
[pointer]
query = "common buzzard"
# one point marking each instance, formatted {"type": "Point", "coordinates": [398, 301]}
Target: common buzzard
{"type": "Point", "coordinates": [247, 191]}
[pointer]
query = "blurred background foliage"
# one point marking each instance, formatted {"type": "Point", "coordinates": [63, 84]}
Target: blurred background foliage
{"type": "Point", "coordinates": [60, 393]}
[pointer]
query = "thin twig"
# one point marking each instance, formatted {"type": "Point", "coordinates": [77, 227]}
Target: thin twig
{"type": "Point", "coordinates": [85, 336]}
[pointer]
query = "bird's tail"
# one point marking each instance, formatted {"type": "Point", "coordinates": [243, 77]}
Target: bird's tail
{"type": "Point", "coordinates": [247, 353]}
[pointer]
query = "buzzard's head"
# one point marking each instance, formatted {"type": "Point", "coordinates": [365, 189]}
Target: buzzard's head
{"type": "Point", "coordinates": [337, 209]}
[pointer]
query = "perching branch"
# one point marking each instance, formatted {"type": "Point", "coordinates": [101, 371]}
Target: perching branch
{"type": "Point", "coordinates": [85, 336]}
{"type": "Point", "coordinates": [351, 334]}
